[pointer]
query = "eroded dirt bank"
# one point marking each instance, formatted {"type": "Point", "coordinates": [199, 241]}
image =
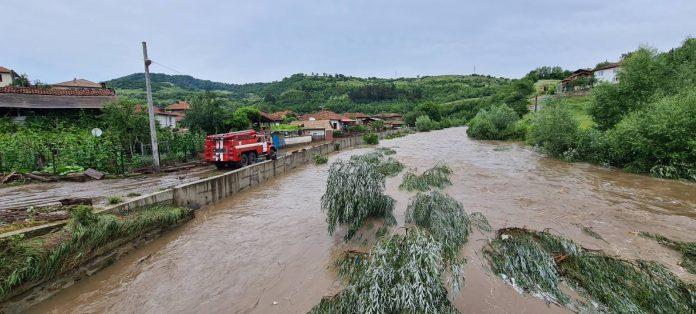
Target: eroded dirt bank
{"type": "Point", "coordinates": [267, 249]}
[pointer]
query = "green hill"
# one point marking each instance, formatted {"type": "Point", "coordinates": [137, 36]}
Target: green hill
{"type": "Point", "coordinates": [306, 93]}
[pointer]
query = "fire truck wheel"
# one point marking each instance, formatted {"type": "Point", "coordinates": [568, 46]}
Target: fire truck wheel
{"type": "Point", "coordinates": [220, 165]}
{"type": "Point", "coordinates": [244, 160]}
{"type": "Point", "coordinates": [252, 158]}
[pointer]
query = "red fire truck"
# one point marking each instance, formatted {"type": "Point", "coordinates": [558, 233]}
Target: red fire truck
{"type": "Point", "coordinates": [238, 149]}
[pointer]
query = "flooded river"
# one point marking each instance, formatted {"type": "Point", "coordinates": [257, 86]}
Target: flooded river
{"type": "Point", "coordinates": [267, 250]}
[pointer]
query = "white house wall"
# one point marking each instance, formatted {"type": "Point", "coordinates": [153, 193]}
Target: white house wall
{"type": "Point", "coordinates": [607, 75]}
{"type": "Point", "coordinates": [6, 79]}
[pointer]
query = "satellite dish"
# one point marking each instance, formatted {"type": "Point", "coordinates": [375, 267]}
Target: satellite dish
{"type": "Point", "coordinates": [97, 132]}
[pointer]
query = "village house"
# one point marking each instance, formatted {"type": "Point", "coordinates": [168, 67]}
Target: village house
{"type": "Point", "coordinates": [180, 107]}
{"type": "Point", "coordinates": [360, 118]}
{"type": "Point", "coordinates": [164, 118]}
{"type": "Point", "coordinates": [337, 121]}
{"type": "Point", "coordinates": [79, 84]}
{"type": "Point", "coordinates": [607, 73]}
{"type": "Point", "coordinates": [318, 129]}
{"type": "Point", "coordinates": [6, 76]}
{"type": "Point", "coordinates": [18, 102]}
{"type": "Point", "coordinates": [579, 79]}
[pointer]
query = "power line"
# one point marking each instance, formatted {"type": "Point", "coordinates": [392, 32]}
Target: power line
{"type": "Point", "coordinates": [170, 68]}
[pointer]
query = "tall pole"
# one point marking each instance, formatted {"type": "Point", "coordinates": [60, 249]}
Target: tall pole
{"type": "Point", "coordinates": [151, 111]}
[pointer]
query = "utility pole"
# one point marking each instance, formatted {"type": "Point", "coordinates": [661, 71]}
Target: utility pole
{"type": "Point", "coordinates": [151, 111]}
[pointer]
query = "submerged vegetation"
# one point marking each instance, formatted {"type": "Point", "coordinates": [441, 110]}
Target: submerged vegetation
{"type": "Point", "coordinates": [435, 177]}
{"type": "Point", "coordinates": [354, 192]}
{"type": "Point", "coordinates": [538, 262]}
{"type": "Point", "coordinates": [386, 166]}
{"type": "Point", "coordinates": [444, 218]}
{"type": "Point", "coordinates": [24, 260]}
{"type": "Point", "coordinates": [401, 274]}
{"type": "Point", "coordinates": [687, 249]}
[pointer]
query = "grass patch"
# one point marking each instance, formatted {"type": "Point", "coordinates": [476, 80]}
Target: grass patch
{"type": "Point", "coordinates": [537, 262]}
{"type": "Point", "coordinates": [401, 274]}
{"type": "Point", "coordinates": [320, 159]}
{"type": "Point", "coordinates": [114, 200]}
{"type": "Point", "coordinates": [354, 192]}
{"type": "Point", "coordinates": [133, 194]}
{"type": "Point", "coordinates": [24, 260]}
{"type": "Point", "coordinates": [435, 177]}
{"type": "Point", "coordinates": [687, 249]}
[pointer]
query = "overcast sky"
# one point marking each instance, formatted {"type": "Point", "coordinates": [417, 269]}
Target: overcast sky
{"type": "Point", "coordinates": [256, 40]}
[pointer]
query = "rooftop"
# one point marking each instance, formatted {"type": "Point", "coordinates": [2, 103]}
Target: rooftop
{"type": "Point", "coordinates": [79, 83]}
{"type": "Point", "coordinates": [322, 115]}
{"type": "Point", "coordinates": [57, 91]}
{"type": "Point", "coordinates": [179, 105]}
{"type": "Point", "coordinates": [5, 70]}
{"type": "Point", "coordinates": [313, 124]}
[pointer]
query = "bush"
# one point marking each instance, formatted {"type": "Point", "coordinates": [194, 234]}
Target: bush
{"type": "Point", "coordinates": [370, 139]}
{"type": "Point", "coordinates": [495, 123]}
{"type": "Point", "coordinates": [115, 200]}
{"type": "Point", "coordinates": [554, 129]}
{"type": "Point", "coordinates": [659, 139]}
{"type": "Point", "coordinates": [320, 159]}
{"type": "Point", "coordinates": [337, 134]}
{"type": "Point", "coordinates": [354, 192]}
{"type": "Point", "coordinates": [437, 177]}
{"type": "Point", "coordinates": [425, 124]}
{"type": "Point", "coordinates": [592, 146]}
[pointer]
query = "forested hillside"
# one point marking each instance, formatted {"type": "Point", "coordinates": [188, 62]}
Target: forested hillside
{"type": "Point", "coordinates": [305, 93]}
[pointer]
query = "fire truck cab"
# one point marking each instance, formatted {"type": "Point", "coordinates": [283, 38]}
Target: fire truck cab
{"type": "Point", "coordinates": [238, 149]}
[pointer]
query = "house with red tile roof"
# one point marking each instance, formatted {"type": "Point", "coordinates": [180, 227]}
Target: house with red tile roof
{"type": "Point", "coordinates": [179, 107]}
{"type": "Point", "coordinates": [6, 76]}
{"type": "Point", "coordinates": [337, 121]}
{"type": "Point", "coordinates": [77, 83]}
{"type": "Point", "coordinates": [17, 102]}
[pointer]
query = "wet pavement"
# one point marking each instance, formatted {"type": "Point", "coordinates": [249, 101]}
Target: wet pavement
{"type": "Point", "coordinates": [266, 250]}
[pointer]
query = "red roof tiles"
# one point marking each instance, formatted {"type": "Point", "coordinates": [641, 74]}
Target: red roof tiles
{"type": "Point", "coordinates": [57, 91]}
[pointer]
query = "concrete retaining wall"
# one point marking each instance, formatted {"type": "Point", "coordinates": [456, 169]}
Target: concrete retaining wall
{"type": "Point", "coordinates": [213, 189]}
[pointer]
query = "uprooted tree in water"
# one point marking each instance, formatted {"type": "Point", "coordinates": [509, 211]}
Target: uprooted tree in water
{"type": "Point", "coordinates": [540, 263]}
{"type": "Point", "coordinates": [355, 192]}
{"type": "Point", "coordinates": [401, 274]}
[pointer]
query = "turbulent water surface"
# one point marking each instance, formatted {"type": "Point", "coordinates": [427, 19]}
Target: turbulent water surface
{"type": "Point", "coordinates": [267, 249]}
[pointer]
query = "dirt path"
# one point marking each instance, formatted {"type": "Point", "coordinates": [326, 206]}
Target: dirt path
{"type": "Point", "coordinates": [266, 250]}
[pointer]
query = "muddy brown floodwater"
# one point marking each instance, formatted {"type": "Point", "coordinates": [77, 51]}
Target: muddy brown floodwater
{"type": "Point", "coordinates": [267, 250]}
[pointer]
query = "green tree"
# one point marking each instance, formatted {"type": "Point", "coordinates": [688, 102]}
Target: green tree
{"type": "Point", "coordinates": [244, 117]}
{"type": "Point", "coordinates": [207, 114]}
{"type": "Point", "coordinates": [640, 78]}
{"type": "Point", "coordinates": [126, 122]}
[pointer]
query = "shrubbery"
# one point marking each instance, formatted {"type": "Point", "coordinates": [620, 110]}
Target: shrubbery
{"type": "Point", "coordinates": [554, 130]}
{"type": "Point", "coordinates": [495, 123]}
{"type": "Point", "coordinates": [425, 124]}
{"type": "Point", "coordinates": [660, 139]}
{"type": "Point", "coordinates": [370, 139]}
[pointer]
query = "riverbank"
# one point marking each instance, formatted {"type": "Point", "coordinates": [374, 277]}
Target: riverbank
{"type": "Point", "coordinates": [267, 250]}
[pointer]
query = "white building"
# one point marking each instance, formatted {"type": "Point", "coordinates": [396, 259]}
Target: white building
{"type": "Point", "coordinates": [607, 73]}
{"type": "Point", "coordinates": [6, 77]}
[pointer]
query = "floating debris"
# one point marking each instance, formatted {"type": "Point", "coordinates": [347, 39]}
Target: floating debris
{"type": "Point", "coordinates": [401, 274]}
{"type": "Point", "coordinates": [354, 192]}
{"type": "Point", "coordinates": [437, 177]}
{"type": "Point", "coordinates": [388, 167]}
{"type": "Point", "coordinates": [537, 262]}
{"type": "Point", "coordinates": [480, 222]}
{"type": "Point", "coordinates": [447, 222]}
{"type": "Point", "coordinates": [687, 249]}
